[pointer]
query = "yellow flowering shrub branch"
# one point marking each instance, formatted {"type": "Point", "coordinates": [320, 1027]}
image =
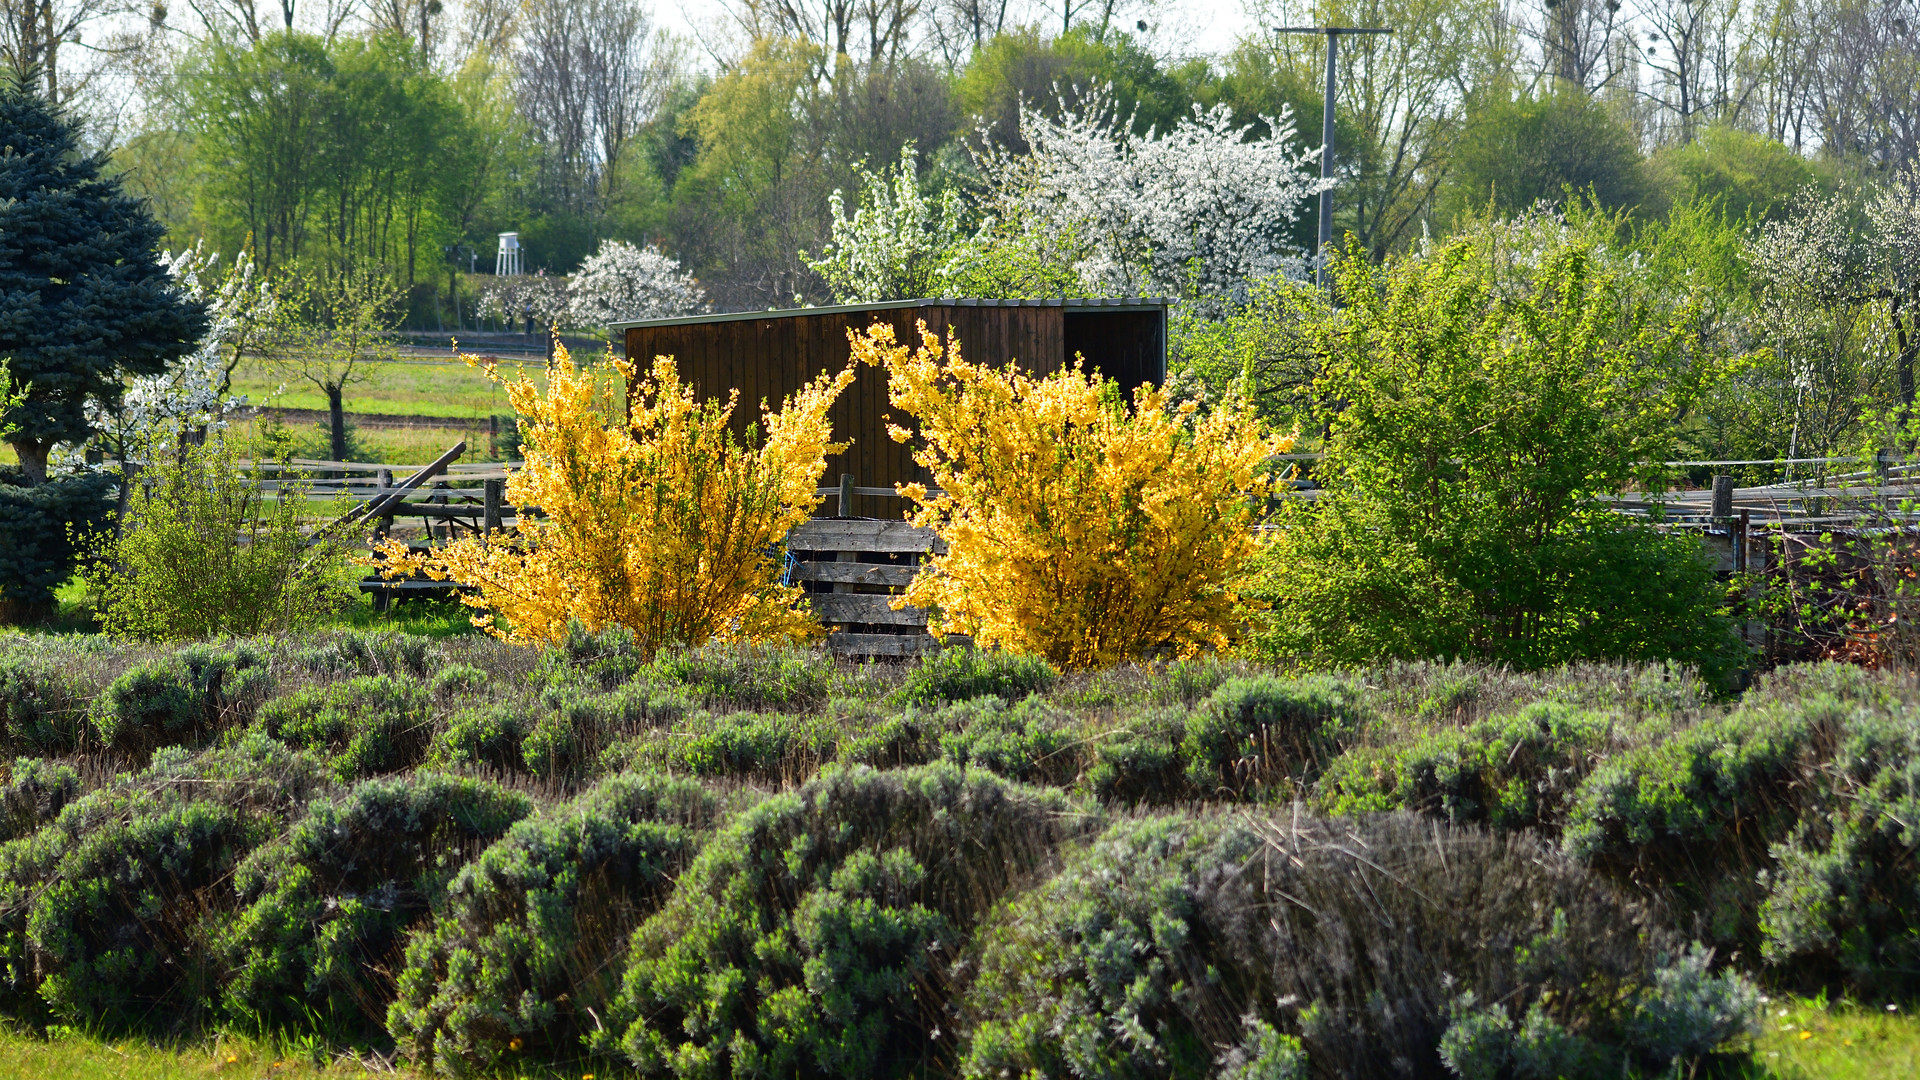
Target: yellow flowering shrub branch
{"type": "Point", "coordinates": [1076, 528]}
{"type": "Point", "coordinates": [668, 525]}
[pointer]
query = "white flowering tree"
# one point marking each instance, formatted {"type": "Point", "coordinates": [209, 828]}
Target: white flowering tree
{"type": "Point", "coordinates": [898, 243]}
{"type": "Point", "coordinates": [621, 282]}
{"type": "Point", "coordinates": [1199, 212]}
{"type": "Point", "coordinates": [159, 413]}
{"type": "Point", "coordinates": [513, 299]}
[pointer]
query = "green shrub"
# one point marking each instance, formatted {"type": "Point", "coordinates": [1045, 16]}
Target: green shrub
{"type": "Point", "coordinates": [1843, 900]}
{"type": "Point", "coordinates": [746, 676]}
{"type": "Point", "coordinates": [579, 727]}
{"type": "Point", "coordinates": [201, 551]}
{"type": "Point", "coordinates": [895, 739]}
{"type": "Point", "coordinates": [370, 652]}
{"type": "Point", "coordinates": [43, 704]}
{"type": "Point", "coordinates": [811, 935]}
{"type": "Point", "coordinates": [1691, 816]}
{"type": "Point", "coordinates": [1510, 772]}
{"type": "Point", "coordinates": [1030, 742]}
{"type": "Point", "coordinates": [106, 913]}
{"type": "Point", "coordinates": [366, 725]}
{"type": "Point", "coordinates": [1140, 761]}
{"type": "Point", "coordinates": [772, 746]}
{"type": "Point", "coordinates": [38, 527]}
{"type": "Point", "coordinates": [488, 735]}
{"type": "Point", "coordinates": [526, 948]}
{"type": "Point", "coordinates": [1549, 382]}
{"type": "Point", "coordinates": [1252, 732]}
{"type": "Point", "coordinates": [605, 659]}
{"type": "Point", "coordinates": [325, 906]}
{"type": "Point", "coordinates": [959, 674]}
{"type": "Point", "coordinates": [1174, 941]}
{"type": "Point", "coordinates": [35, 792]}
{"type": "Point", "coordinates": [182, 699]}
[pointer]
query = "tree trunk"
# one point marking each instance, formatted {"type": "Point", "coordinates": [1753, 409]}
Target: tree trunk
{"type": "Point", "coordinates": [33, 459]}
{"type": "Point", "coordinates": [337, 423]}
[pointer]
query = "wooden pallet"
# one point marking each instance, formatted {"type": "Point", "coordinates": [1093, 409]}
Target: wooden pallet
{"type": "Point", "coordinates": [853, 568]}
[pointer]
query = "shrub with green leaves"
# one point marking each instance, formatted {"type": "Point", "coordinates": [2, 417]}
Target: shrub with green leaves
{"type": "Point", "coordinates": [959, 674]}
{"type": "Point", "coordinates": [489, 735]}
{"type": "Point", "coordinates": [369, 652]}
{"type": "Point", "coordinates": [811, 935]}
{"type": "Point", "coordinates": [106, 914]}
{"type": "Point", "coordinates": [183, 698]}
{"type": "Point", "coordinates": [202, 552]}
{"type": "Point", "coordinates": [1550, 382]}
{"type": "Point", "coordinates": [577, 727]}
{"type": "Point", "coordinates": [1139, 761]}
{"type": "Point", "coordinates": [525, 950]}
{"type": "Point", "coordinates": [1251, 732]}
{"type": "Point", "coordinates": [1691, 816]}
{"type": "Point", "coordinates": [745, 676]}
{"type": "Point", "coordinates": [366, 725]}
{"type": "Point", "coordinates": [771, 746]}
{"type": "Point", "coordinates": [1510, 772]}
{"type": "Point", "coordinates": [43, 703]}
{"type": "Point", "coordinates": [320, 938]}
{"type": "Point", "coordinates": [1031, 741]}
{"type": "Point", "coordinates": [1843, 898]}
{"type": "Point", "coordinates": [35, 792]}
{"type": "Point", "coordinates": [1179, 943]}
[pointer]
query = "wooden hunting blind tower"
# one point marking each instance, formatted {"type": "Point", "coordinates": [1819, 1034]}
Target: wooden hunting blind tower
{"type": "Point", "coordinates": [767, 355]}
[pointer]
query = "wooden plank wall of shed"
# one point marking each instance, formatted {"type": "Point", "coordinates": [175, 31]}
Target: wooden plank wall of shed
{"type": "Point", "coordinates": [767, 359]}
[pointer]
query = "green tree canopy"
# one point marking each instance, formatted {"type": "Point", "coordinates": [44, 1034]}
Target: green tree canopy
{"type": "Point", "coordinates": [84, 301]}
{"type": "Point", "coordinates": [1517, 151]}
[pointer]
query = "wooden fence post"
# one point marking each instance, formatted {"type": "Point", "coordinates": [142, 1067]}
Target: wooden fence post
{"type": "Point", "coordinates": [492, 495]}
{"type": "Point", "coordinates": [846, 494]}
{"type": "Point", "coordinates": [1722, 497]}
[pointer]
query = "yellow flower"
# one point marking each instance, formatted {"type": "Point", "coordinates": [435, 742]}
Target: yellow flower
{"type": "Point", "coordinates": [668, 524]}
{"type": "Point", "coordinates": [1805, 1035]}
{"type": "Point", "coordinates": [1077, 528]}
{"type": "Point", "coordinates": [514, 1044]}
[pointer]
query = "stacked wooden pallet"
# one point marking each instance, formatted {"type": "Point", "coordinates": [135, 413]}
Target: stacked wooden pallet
{"type": "Point", "coordinates": [852, 569]}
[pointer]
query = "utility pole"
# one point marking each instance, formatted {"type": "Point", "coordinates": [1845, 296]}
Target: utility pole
{"type": "Point", "coordinates": [1326, 134]}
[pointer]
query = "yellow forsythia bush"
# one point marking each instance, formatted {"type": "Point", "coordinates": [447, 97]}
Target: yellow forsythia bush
{"type": "Point", "coordinates": [668, 525]}
{"type": "Point", "coordinates": [1076, 528]}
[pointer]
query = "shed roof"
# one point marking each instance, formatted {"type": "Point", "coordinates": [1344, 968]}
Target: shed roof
{"type": "Point", "coordinates": [1110, 303]}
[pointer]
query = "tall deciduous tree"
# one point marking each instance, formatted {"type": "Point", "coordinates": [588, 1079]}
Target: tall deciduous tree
{"type": "Point", "coordinates": [84, 299]}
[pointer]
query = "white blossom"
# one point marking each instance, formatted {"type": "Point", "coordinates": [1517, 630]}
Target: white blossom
{"type": "Point", "coordinates": [512, 298]}
{"type": "Point", "coordinates": [1198, 212]}
{"type": "Point", "coordinates": [157, 411]}
{"type": "Point", "coordinates": [621, 282]}
{"type": "Point", "coordinates": [895, 245]}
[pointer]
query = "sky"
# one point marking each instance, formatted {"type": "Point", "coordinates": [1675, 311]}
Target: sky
{"type": "Point", "coordinates": [1210, 27]}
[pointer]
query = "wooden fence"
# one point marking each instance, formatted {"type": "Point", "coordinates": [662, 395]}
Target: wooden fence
{"type": "Point", "coordinates": [852, 567]}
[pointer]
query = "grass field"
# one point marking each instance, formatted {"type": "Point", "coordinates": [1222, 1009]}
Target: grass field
{"type": "Point", "coordinates": [1804, 1040]}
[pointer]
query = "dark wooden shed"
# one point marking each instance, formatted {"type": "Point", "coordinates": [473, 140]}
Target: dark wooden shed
{"type": "Point", "coordinates": [767, 355]}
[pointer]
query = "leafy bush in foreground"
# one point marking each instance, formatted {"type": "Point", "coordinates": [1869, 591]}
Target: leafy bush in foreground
{"type": "Point", "coordinates": [526, 948]}
{"type": "Point", "coordinates": [181, 699]}
{"type": "Point", "coordinates": [43, 703]}
{"type": "Point", "coordinates": [366, 725]}
{"type": "Point", "coordinates": [327, 904]}
{"type": "Point", "coordinates": [1690, 816]}
{"type": "Point", "coordinates": [1174, 940]}
{"type": "Point", "coordinates": [1843, 901]}
{"type": "Point", "coordinates": [959, 674]}
{"type": "Point", "coordinates": [35, 792]}
{"type": "Point", "coordinates": [1510, 772]}
{"type": "Point", "coordinates": [104, 914]}
{"type": "Point", "coordinates": [809, 937]}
